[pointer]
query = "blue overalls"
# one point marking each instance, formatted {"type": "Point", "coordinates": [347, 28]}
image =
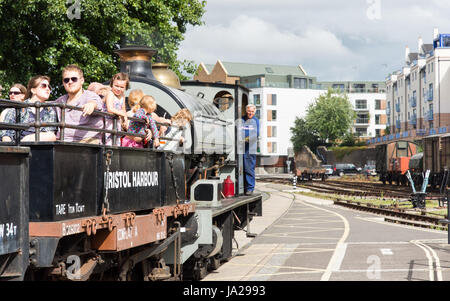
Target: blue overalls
{"type": "Point", "coordinates": [251, 130]}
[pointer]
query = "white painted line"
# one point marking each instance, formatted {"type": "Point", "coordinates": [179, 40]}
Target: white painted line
{"type": "Point", "coordinates": [386, 252]}
{"type": "Point", "coordinates": [436, 259]}
{"type": "Point", "coordinates": [430, 260]}
{"type": "Point", "coordinates": [341, 247]}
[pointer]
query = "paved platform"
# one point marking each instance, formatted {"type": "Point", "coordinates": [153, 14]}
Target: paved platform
{"type": "Point", "coordinates": [304, 238]}
{"type": "Point", "coordinates": [274, 206]}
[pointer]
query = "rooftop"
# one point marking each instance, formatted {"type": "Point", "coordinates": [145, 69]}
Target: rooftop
{"type": "Point", "coordinates": [246, 69]}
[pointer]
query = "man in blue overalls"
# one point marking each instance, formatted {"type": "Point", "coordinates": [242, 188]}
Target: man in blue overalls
{"type": "Point", "coordinates": [251, 135]}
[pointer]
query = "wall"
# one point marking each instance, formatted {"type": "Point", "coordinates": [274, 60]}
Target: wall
{"type": "Point", "coordinates": [357, 157]}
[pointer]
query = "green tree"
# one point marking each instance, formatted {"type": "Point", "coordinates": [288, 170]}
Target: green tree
{"type": "Point", "coordinates": [330, 116]}
{"type": "Point", "coordinates": [302, 135]}
{"type": "Point", "coordinates": [43, 36]}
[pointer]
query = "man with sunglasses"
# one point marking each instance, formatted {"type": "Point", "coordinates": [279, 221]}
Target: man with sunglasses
{"type": "Point", "coordinates": [73, 80]}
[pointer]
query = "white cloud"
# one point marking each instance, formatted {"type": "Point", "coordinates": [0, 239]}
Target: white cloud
{"type": "Point", "coordinates": [252, 40]}
{"type": "Point", "coordinates": [333, 40]}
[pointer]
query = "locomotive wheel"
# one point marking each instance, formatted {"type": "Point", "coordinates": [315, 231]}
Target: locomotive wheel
{"type": "Point", "coordinates": [214, 263]}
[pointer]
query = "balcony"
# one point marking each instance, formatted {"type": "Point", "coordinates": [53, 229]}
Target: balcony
{"type": "Point", "coordinates": [413, 120]}
{"type": "Point", "coordinates": [429, 115]}
{"type": "Point", "coordinates": [362, 121]}
{"type": "Point", "coordinates": [361, 107]}
{"type": "Point", "coordinates": [430, 95]}
{"type": "Point", "coordinates": [397, 124]}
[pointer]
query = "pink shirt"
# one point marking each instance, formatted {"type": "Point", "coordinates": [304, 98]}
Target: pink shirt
{"type": "Point", "coordinates": [75, 117]}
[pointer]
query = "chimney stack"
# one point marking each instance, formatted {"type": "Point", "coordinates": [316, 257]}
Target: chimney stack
{"type": "Point", "coordinates": [419, 46]}
{"type": "Point", "coordinates": [136, 60]}
{"type": "Point", "coordinates": [435, 33]}
{"type": "Point", "coordinates": [407, 52]}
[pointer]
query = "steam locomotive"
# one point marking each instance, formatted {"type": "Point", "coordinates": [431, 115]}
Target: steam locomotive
{"type": "Point", "coordinates": [72, 211]}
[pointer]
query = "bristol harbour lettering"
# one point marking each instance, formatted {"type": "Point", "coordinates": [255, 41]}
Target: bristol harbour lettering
{"type": "Point", "coordinates": [123, 179]}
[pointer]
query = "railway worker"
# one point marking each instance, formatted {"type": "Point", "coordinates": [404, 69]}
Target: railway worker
{"type": "Point", "coordinates": [38, 91]}
{"type": "Point", "coordinates": [250, 127]}
{"type": "Point", "coordinates": [17, 92]}
{"type": "Point", "coordinates": [72, 77]}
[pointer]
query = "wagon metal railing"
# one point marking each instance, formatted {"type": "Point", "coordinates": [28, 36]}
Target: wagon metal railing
{"type": "Point", "coordinates": [61, 124]}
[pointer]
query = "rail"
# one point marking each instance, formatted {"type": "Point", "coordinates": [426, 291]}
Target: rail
{"type": "Point", "coordinates": [62, 125]}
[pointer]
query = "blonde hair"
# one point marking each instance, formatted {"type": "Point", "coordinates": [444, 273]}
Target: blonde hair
{"type": "Point", "coordinates": [134, 98]}
{"type": "Point", "coordinates": [183, 116]}
{"type": "Point", "coordinates": [147, 102]}
{"type": "Point", "coordinates": [73, 67]}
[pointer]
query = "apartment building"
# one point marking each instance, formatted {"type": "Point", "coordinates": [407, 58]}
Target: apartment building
{"type": "Point", "coordinates": [418, 96]}
{"type": "Point", "coordinates": [282, 93]}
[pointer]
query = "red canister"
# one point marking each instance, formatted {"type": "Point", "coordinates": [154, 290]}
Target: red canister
{"type": "Point", "coordinates": [228, 188]}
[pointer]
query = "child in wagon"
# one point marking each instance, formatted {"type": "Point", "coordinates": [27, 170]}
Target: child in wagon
{"type": "Point", "coordinates": [143, 111]}
{"type": "Point", "coordinates": [179, 124]}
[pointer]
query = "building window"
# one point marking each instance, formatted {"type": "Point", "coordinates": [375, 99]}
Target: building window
{"type": "Point", "coordinates": [271, 131]}
{"type": "Point", "coordinates": [258, 114]}
{"type": "Point", "coordinates": [377, 119]}
{"type": "Point", "coordinates": [362, 118]}
{"type": "Point", "coordinates": [377, 132]}
{"type": "Point", "coordinates": [361, 132]}
{"type": "Point", "coordinates": [338, 87]}
{"type": "Point", "coordinates": [361, 104]}
{"type": "Point", "coordinates": [299, 83]}
{"type": "Point", "coordinates": [257, 100]}
{"type": "Point", "coordinates": [271, 115]}
{"type": "Point", "coordinates": [271, 147]}
{"type": "Point", "coordinates": [274, 115]}
{"type": "Point", "coordinates": [271, 99]}
{"type": "Point", "coordinates": [377, 104]}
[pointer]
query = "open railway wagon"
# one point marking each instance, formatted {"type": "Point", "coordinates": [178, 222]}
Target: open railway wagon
{"type": "Point", "coordinates": [436, 158]}
{"type": "Point", "coordinates": [99, 212]}
{"type": "Point", "coordinates": [308, 166]}
{"type": "Point", "coordinates": [14, 252]}
{"type": "Point", "coordinates": [392, 161]}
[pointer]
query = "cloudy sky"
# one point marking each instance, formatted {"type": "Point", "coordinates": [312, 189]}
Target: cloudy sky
{"type": "Point", "coordinates": [331, 39]}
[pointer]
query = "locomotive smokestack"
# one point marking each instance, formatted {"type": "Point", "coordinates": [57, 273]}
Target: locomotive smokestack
{"type": "Point", "coordinates": [136, 60]}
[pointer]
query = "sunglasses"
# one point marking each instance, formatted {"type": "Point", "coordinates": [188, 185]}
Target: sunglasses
{"type": "Point", "coordinates": [45, 86]}
{"type": "Point", "coordinates": [68, 79]}
{"type": "Point", "coordinates": [15, 93]}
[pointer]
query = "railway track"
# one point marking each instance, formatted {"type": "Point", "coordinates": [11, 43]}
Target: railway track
{"type": "Point", "coordinates": [357, 188]}
{"type": "Point", "coordinates": [354, 188]}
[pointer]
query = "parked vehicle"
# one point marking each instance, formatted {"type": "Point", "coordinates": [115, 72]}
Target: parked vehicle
{"type": "Point", "coordinates": [347, 168]}
{"type": "Point", "coordinates": [328, 169]}
{"type": "Point", "coordinates": [370, 170]}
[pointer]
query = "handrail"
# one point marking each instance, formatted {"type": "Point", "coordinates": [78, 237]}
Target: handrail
{"type": "Point", "coordinates": [61, 124]}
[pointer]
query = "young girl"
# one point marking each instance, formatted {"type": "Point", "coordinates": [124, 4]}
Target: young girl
{"type": "Point", "coordinates": [134, 98]}
{"type": "Point", "coordinates": [115, 99]}
{"type": "Point", "coordinates": [180, 122]}
{"type": "Point", "coordinates": [143, 111]}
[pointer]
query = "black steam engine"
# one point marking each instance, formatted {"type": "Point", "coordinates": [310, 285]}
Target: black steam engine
{"type": "Point", "coordinates": [97, 212]}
